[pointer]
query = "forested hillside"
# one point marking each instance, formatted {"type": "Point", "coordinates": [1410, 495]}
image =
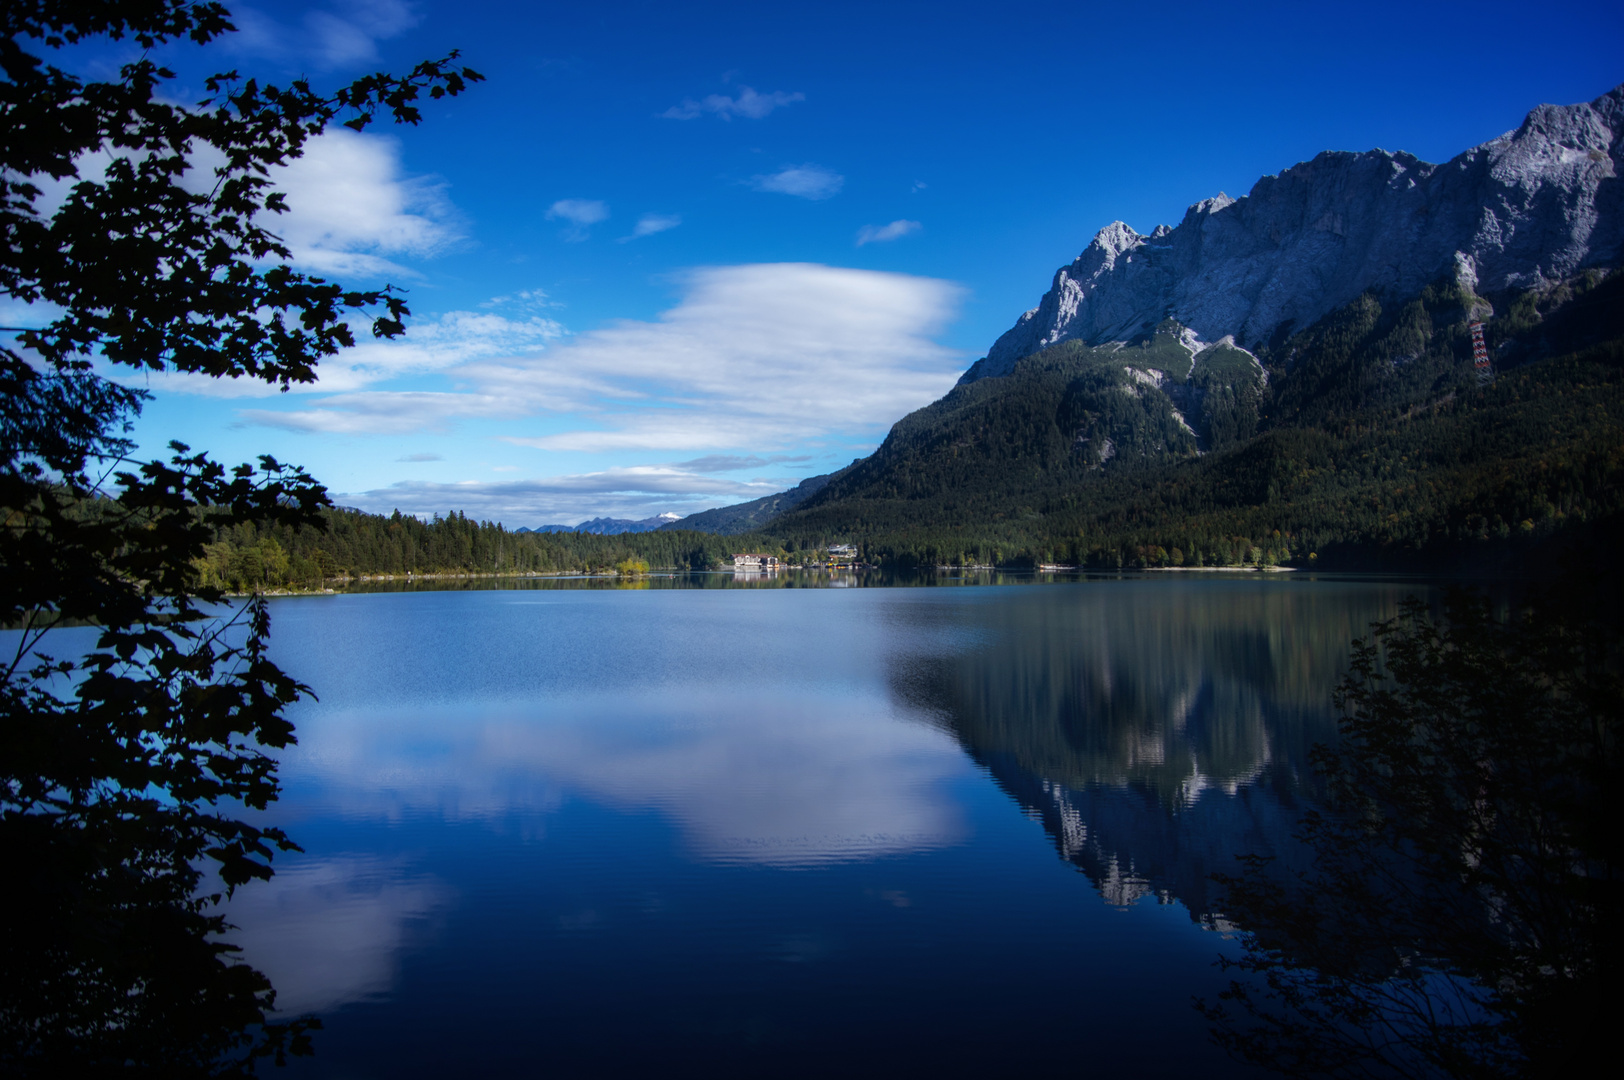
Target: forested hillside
{"type": "Point", "coordinates": [1361, 440]}
{"type": "Point", "coordinates": [748, 516]}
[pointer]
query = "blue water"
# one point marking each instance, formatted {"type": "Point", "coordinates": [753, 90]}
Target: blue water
{"type": "Point", "coordinates": [778, 832]}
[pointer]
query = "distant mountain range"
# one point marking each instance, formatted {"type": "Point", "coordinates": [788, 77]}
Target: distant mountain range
{"type": "Point", "coordinates": [604, 526]}
{"type": "Point", "coordinates": [752, 515]}
{"type": "Point", "coordinates": [724, 521]}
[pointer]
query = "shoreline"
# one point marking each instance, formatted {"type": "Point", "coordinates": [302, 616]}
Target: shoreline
{"type": "Point", "coordinates": [334, 586]}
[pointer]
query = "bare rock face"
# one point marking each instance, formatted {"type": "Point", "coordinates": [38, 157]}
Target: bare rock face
{"type": "Point", "coordinates": [1534, 205]}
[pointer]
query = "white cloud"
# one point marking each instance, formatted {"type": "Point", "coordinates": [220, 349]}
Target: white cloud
{"type": "Point", "coordinates": [748, 104]}
{"type": "Point", "coordinates": [873, 234]}
{"type": "Point", "coordinates": [350, 206]}
{"type": "Point", "coordinates": [580, 213]}
{"type": "Point", "coordinates": [757, 358]}
{"type": "Point", "coordinates": [649, 224]}
{"type": "Point", "coordinates": [807, 181]}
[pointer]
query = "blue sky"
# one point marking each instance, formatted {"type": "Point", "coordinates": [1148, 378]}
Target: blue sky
{"type": "Point", "coordinates": [678, 256]}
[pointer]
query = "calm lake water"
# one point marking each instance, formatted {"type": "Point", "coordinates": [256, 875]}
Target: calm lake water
{"type": "Point", "coordinates": [770, 831]}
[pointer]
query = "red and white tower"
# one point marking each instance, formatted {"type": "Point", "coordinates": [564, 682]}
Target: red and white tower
{"type": "Point", "coordinates": [1480, 355]}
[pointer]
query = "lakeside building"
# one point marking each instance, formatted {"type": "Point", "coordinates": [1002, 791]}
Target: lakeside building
{"type": "Point", "coordinates": [755, 562]}
{"type": "Point", "coordinates": [842, 554]}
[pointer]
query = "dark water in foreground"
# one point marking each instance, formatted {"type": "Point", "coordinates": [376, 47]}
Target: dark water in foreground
{"type": "Point", "coordinates": [737, 832]}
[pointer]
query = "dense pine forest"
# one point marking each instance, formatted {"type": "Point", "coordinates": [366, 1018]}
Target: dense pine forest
{"type": "Point", "coordinates": [352, 544]}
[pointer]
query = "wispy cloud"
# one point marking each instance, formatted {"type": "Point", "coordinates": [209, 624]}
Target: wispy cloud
{"type": "Point", "coordinates": [649, 224]}
{"type": "Point", "coordinates": [429, 345]}
{"type": "Point", "coordinates": [384, 413]}
{"type": "Point", "coordinates": [343, 34]}
{"type": "Point", "coordinates": [637, 492]}
{"type": "Point", "coordinates": [807, 181]}
{"type": "Point", "coordinates": [421, 457]}
{"type": "Point", "coordinates": [581, 214]}
{"type": "Point", "coordinates": [748, 104]}
{"type": "Point", "coordinates": [878, 234]}
{"type": "Point", "coordinates": [717, 463]}
{"type": "Point", "coordinates": [524, 299]}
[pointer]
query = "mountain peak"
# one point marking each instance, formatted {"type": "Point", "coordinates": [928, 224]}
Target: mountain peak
{"type": "Point", "coordinates": [1208, 206]}
{"type": "Point", "coordinates": [1529, 207]}
{"type": "Point", "coordinates": [1113, 240]}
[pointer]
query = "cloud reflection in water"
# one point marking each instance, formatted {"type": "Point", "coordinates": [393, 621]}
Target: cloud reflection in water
{"type": "Point", "coordinates": [748, 779]}
{"type": "Point", "coordinates": [330, 931]}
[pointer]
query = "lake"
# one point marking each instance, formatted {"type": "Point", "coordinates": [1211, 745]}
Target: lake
{"type": "Point", "coordinates": [566, 829]}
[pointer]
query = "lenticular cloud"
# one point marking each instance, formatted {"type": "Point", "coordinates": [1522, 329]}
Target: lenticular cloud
{"type": "Point", "coordinates": [756, 356]}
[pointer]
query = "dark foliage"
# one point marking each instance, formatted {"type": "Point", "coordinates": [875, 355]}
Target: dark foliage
{"type": "Point", "coordinates": [249, 555]}
{"type": "Point", "coordinates": [1462, 917]}
{"type": "Point", "coordinates": [116, 762]}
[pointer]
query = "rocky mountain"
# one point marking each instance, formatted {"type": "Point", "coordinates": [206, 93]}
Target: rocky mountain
{"type": "Point", "coordinates": [1289, 377]}
{"type": "Point", "coordinates": [1523, 211]}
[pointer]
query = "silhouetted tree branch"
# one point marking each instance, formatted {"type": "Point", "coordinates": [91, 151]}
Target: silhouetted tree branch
{"type": "Point", "coordinates": [116, 762]}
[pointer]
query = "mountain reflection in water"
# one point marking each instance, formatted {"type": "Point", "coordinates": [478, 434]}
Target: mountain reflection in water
{"type": "Point", "coordinates": [1157, 732]}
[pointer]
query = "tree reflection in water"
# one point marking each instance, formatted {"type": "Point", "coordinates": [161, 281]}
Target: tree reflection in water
{"type": "Point", "coordinates": [113, 963]}
{"type": "Point", "coordinates": [1461, 913]}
